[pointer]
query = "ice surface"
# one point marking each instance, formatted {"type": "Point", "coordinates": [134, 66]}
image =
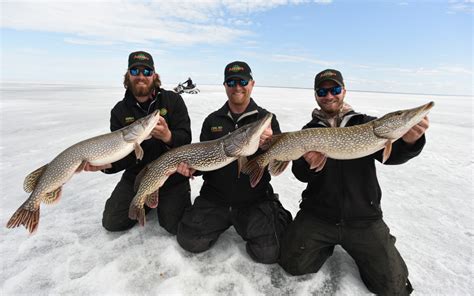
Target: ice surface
{"type": "Point", "coordinates": [427, 202]}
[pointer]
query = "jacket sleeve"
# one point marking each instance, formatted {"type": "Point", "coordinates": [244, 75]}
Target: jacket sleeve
{"type": "Point", "coordinates": [180, 124]}
{"type": "Point", "coordinates": [127, 161]}
{"type": "Point", "coordinates": [205, 131]}
{"type": "Point", "coordinates": [275, 125]}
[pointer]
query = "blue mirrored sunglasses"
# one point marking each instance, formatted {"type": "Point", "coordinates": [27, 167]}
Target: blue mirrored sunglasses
{"type": "Point", "coordinates": [136, 71]}
{"type": "Point", "coordinates": [233, 82]}
{"type": "Point", "coordinates": [335, 90]}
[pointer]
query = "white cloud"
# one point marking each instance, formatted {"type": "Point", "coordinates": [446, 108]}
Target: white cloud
{"type": "Point", "coordinates": [466, 6]}
{"type": "Point", "coordinates": [142, 22]}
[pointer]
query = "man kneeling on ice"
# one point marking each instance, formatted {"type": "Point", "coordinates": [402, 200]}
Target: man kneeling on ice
{"type": "Point", "coordinates": [341, 203]}
{"type": "Point", "coordinates": [227, 199]}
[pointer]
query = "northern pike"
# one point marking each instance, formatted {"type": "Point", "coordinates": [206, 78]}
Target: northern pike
{"type": "Point", "coordinates": [203, 156]}
{"type": "Point", "coordinates": [336, 142]}
{"type": "Point", "coordinates": [45, 183]}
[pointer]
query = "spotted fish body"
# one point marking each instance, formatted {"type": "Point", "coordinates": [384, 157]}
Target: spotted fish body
{"type": "Point", "coordinates": [45, 183]}
{"type": "Point", "coordinates": [337, 143]}
{"type": "Point", "coordinates": [203, 156]}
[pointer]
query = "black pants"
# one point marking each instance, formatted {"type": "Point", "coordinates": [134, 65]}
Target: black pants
{"type": "Point", "coordinates": [260, 225]}
{"type": "Point", "coordinates": [309, 242]}
{"type": "Point", "coordinates": [170, 209]}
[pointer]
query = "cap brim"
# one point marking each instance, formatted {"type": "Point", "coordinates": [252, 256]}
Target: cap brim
{"type": "Point", "coordinates": [335, 80]}
{"type": "Point", "coordinates": [141, 64]}
{"type": "Point", "coordinates": [238, 76]}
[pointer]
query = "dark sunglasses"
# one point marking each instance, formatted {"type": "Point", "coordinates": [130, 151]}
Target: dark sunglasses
{"type": "Point", "coordinates": [146, 72]}
{"type": "Point", "coordinates": [233, 82]}
{"type": "Point", "coordinates": [335, 90]}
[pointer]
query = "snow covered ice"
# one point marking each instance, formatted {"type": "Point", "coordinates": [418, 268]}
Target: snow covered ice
{"type": "Point", "coordinates": [427, 204]}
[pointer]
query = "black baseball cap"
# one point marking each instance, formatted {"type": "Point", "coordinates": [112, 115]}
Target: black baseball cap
{"type": "Point", "coordinates": [140, 58]}
{"type": "Point", "coordinates": [328, 74]}
{"type": "Point", "coordinates": [237, 69]}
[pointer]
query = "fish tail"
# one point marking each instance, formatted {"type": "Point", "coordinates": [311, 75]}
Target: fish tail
{"type": "Point", "coordinates": [255, 171]}
{"type": "Point", "coordinates": [276, 167]}
{"type": "Point", "coordinates": [152, 200]}
{"type": "Point", "coordinates": [28, 218]}
{"type": "Point", "coordinates": [137, 213]}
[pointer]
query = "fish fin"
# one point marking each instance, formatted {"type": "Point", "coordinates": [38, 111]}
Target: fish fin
{"type": "Point", "coordinates": [53, 196]}
{"type": "Point", "coordinates": [241, 161]}
{"type": "Point", "coordinates": [81, 167]}
{"type": "Point", "coordinates": [139, 178]}
{"type": "Point", "coordinates": [23, 216]}
{"type": "Point", "coordinates": [254, 170]}
{"type": "Point", "coordinates": [152, 200]}
{"type": "Point", "coordinates": [32, 179]}
{"type": "Point", "coordinates": [387, 151]}
{"type": "Point", "coordinates": [319, 167]}
{"type": "Point", "coordinates": [268, 143]}
{"type": "Point", "coordinates": [277, 167]}
{"type": "Point", "coordinates": [137, 213]}
{"type": "Point", "coordinates": [138, 151]}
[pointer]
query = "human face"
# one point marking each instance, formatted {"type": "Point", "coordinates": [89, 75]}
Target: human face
{"type": "Point", "coordinates": [239, 96]}
{"type": "Point", "coordinates": [330, 104]}
{"type": "Point", "coordinates": [141, 85]}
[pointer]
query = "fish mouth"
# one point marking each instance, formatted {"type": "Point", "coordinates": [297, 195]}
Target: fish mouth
{"type": "Point", "coordinates": [428, 106]}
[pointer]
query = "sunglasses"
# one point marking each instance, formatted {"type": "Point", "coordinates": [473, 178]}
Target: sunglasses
{"type": "Point", "coordinates": [335, 90]}
{"type": "Point", "coordinates": [233, 82]}
{"type": "Point", "coordinates": [146, 72]}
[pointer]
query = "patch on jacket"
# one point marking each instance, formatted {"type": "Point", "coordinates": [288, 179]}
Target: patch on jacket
{"type": "Point", "coordinates": [129, 119]}
{"type": "Point", "coordinates": [216, 129]}
{"type": "Point", "coordinates": [163, 111]}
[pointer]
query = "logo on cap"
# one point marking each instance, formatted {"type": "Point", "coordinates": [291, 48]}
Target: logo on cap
{"type": "Point", "coordinates": [236, 68]}
{"type": "Point", "coordinates": [141, 57]}
{"type": "Point", "coordinates": [327, 73]}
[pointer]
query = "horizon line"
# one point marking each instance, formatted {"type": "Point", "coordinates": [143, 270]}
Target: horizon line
{"type": "Point", "coordinates": [2, 83]}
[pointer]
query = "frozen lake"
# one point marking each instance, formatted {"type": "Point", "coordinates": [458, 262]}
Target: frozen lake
{"type": "Point", "coordinates": [427, 202]}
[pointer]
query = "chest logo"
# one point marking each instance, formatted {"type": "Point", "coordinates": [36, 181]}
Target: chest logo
{"type": "Point", "coordinates": [163, 111]}
{"type": "Point", "coordinates": [216, 129]}
{"type": "Point", "coordinates": [129, 119]}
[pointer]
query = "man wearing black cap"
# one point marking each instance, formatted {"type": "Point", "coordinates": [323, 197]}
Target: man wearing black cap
{"type": "Point", "coordinates": [225, 198]}
{"type": "Point", "coordinates": [144, 95]}
{"type": "Point", "coordinates": [341, 203]}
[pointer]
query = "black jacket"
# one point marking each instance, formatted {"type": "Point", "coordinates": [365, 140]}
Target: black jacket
{"type": "Point", "coordinates": [223, 186]}
{"type": "Point", "coordinates": [172, 109]}
{"type": "Point", "coordinates": [347, 191]}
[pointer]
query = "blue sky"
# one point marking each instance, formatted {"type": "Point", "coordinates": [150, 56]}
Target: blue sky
{"type": "Point", "coordinates": [397, 46]}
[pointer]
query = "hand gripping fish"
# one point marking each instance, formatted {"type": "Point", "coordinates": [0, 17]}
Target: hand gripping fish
{"type": "Point", "coordinates": [45, 183]}
{"type": "Point", "coordinates": [203, 156]}
{"type": "Point", "coordinates": [337, 143]}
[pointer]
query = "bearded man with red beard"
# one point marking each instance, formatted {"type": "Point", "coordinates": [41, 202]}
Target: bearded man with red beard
{"type": "Point", "coordinates": [143, 96]}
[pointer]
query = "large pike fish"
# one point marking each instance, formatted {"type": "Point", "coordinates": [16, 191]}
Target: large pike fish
{"type": "Point", "coordinates": [337, 142]}
{"type": "Point", "coordinates": [45, 183]}
{"type": "Point", "coordinates": [203, 156]}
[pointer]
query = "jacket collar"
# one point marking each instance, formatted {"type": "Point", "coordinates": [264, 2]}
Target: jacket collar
{"type": "Point", "coordinates": [251, 109]}
{"type": "Point", "coordinates": [340, 120]}
{"type": "Point", "coordinates": [132, 102]}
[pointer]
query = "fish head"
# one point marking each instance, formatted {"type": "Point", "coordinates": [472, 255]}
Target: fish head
{"type": "Point", "coordinates": [141, 128]}
{"type": "Point", "coordinates": [395, 124]}
{"type": "Point", "coordinates": [245, 140]}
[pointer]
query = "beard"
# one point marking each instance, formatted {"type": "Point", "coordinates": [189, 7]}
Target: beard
{"type": "Point", "coordinates": [140, 90]}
